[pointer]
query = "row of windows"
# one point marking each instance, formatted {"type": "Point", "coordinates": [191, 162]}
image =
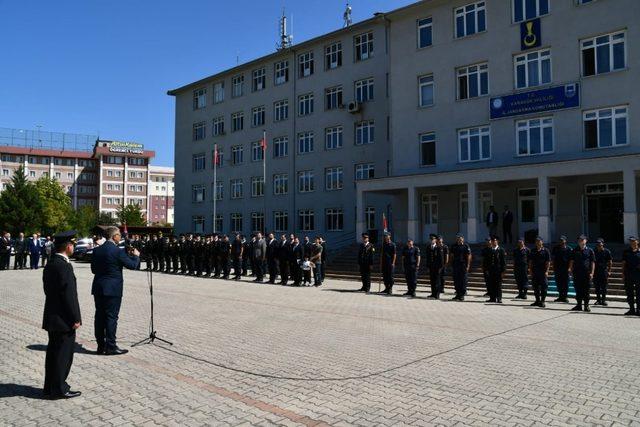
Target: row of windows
{"type": "Point", "coordinates": [58, 161]}
{"type": "Point", "coordinates": [603, 128]}
{"type": "Point", "coordinates": [333, 58]}
{"type": "Point", "coordinates": [600, 55]}
{"type": "Point", "coordinates": [363, 92]}
{"type": "Point", "coordinates": [334, 221]}
{"type": "Point", "coordinates": [364, 134]}
{"type": "Point", "coordinates": [333, 180]}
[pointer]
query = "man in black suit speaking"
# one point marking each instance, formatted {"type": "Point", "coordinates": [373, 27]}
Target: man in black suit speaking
{"type": "Point", "coordinates": [61, 317]}
{"type": "Point", "coordinates": [106, 265]}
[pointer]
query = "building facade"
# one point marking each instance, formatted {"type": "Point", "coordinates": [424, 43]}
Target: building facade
{"type": "Point", "coordinates": [161, 195]}
{"type": "Point", "coordinates": [100, 173]}
{"type": "Point", "coordinates": [522, 103]}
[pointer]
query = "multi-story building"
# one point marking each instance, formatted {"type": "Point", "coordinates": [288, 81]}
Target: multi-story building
{"type": "Point", "coordinates": [525, 103]}
{"type": "Point", "coordinates": [161, 190]}
{"type": "Point", "coordinates": [100, 173]}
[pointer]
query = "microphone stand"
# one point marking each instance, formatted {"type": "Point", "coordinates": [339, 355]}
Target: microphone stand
{"type": "Point", "coordinates": [152, 332]}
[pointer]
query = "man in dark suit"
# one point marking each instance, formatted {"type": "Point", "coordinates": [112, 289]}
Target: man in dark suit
{"type": "Point", "coordinates": [35, 250]}
{"type": "Point", "coordinates": [5, 251]}
{"type": "Point", "coordinates": [20, 246]}
{"type": "Point", "coordinates": [492, 221]}
{"type": "Point", "coordinates": [106, 265]}
{"type": "Point", "coordinates": [259, 257]}
{"type": "Point", "coordinates": [61, 317]}
{"type": "Point", "coordinates": [507, 224]}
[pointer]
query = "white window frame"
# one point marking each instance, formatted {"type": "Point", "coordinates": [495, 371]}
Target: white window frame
{"type": "Point", "coordinates": [217, 126]}
{"type": "Point", "coordinates": [258, 116]}
{"type": "Point", "coordinates": [306, 142]}
{"type": "Point", "coordinates": [364, 171]}
{"type": "Point", "coordinates": [280, 147]}
{"type": "Point", "coordinates": [198, 193]}
{"type": "Point", "coordinates": [334, 219]}
{"type": "Point", "coordinates": [305, 104]}
{"type": "Point", "coordinates": [592, 43]}
{"type": "Point", "coordinates": [468, 133]}
{"type": "Point", "coordinates": [237, 189]}
{"type": "Point", "coordinates": [333, 56]}
{"type": "Point", "coordinates": [257, 152]}
{"type": "Point", "coordinates": [237, 86]}
{"type": "Point", "coordinates": [237, 155]}
{"type": "Point", "coordinates": [524, 17]}
{"type": "Point", "coordinates": [306, 64]}
{"type": "Point", "coordinates": [365, 132]}
{"type": "Point", "coordinates": [306, 219]}
{"type": "Point", "coordinates": [334, 178]}
{"type": "Point", "coordinates": [461, 11]}
{"type": "Point", "coordinates": [237, 121]}
{"type": "Point", "coordinates": [364, 90]}
{"type": "Point", "coordinates": [527, 125]}
{"type": "Point", "coordinates": [612, 113]}
{"type": "Point", "coordinates": [363, 46]}
{"type": "Point", "coordinates": [425, 139]}
{"type": "Point", "coordinates": [236, 222]}
{"type": "Point", "coordinates": [280, 184]}
{"type": "Point", "coordinates": [280, 221]}
{"type": "Point", "coordinates": [424, 23]}
{"type": "Point", "coordinates": [423, 82]}
{"type": "Point", "coordinates": [474, 71]}
{"type": "Point", "coordinates": [333, 98]}
{"type": "Point", "coordinates": [334, 138]}
{"type": "Point", "coordinates": [218, 92]}
{"type": "Point", "coordinates": [199, 98]}
{"type": "Point", "coordinates": [281, 72]}
{"type": "Point", "coordinates": [541, 56]}
{"type": "Point", "coordinates": [306, 181]}
{"type": "Point", "coordinates": [199, 132]}
{"type": "Point", "coordinates": [281, 110]}
{"type": "Point", "coordinates": [259, 79]}
{"type": "Point", "coordinates": [257, 186]}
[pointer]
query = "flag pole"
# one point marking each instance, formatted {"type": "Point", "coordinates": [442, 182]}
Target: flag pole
{"type": "Point", "coordinates": [215, 184]}
{"type": "Point", "coordinates": [264, 179]}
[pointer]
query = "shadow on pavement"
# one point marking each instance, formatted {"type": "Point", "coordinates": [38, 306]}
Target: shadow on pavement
{"type": "Point", "coordinates": [78, 348]}
{"type": "Point", "coordinates": [19, 390]}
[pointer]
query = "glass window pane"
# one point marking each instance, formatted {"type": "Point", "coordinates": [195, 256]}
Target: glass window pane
{"type": "Point", "coordinates": [522, 142]}
{"type": "Point", "coordinates": [548, 139]}
{"type": "Point", "coordinates": [481, 20]}
{"type": "Point", "coordinates": [464, 149]}
{"type": "Point", "coordinates": [544, 7]}
{"type": "Point", "coordinates": [517, 12]}
{"type": "Point", "coordinates": [473, 85]}
{"type": "Point", "coordinates": [546, 71]}
{"type": "Point", "coordinates": [531, 8]}
{"type": "Point", "coordinates": [605, 132]}
{"type": "Point", "coordinates": [591, 134]}
{"type": "Point", "coordinates": [604, 59]}
{"type": "Point", "coordinates": [535, 140]}
{"type": "Point", "coordinates": [484, 83]}
{"type": "Point", "coordinates": [618, 56]}
{"type": "Point", "coordinates": [459, 26]}
{"type": "Point", "coordinates": [471, 23]}
{"type": "Point", "coordinates": [534, 78]}
{"type": "Point", "coordinates": [621, 131]}
{"type": "Point", "coordinates": [475, 147]}
{"type": "Point", "coordinates": [521, 76]}
{"type": "Point", "coordinates": [486, 147]}
{"type": "Point", "coordinates": [588, 62]}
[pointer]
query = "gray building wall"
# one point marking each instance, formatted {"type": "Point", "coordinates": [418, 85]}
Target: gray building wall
{"type": "Point", "coordinates": [562, 29]}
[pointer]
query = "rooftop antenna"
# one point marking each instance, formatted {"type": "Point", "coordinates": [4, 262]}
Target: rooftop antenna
{"type": "Point", "coordinates": [347, 16]}
{"type": "Point", "coordinates": [285, 39]}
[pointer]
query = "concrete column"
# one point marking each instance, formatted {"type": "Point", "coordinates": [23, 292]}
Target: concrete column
{"type": "Point", "coordinates": [543, 208]}
{"type": "Point", "coordinates": [630, 216]}
{"type": "Point", "coordinates": [472, 214]}
{"type": "Point", "coordinates": [413, 214]}
{"type": "Point", "coordinates": [360, 224]}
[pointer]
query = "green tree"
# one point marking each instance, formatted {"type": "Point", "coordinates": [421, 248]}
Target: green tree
{"type": "Point", "coordinates": [105, 219]}
{"type": "Point", "coordinates": [130, 215]}
{"type": "Point", "coordinates": [20, 205]}
{"type": "Point", "coordinates": [56, 208]}
{"type": "Point", "coordinates": [84, 219]}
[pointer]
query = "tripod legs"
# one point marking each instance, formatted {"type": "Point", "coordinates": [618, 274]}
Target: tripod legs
{"type": "Point", "coordinates": [152, 335]}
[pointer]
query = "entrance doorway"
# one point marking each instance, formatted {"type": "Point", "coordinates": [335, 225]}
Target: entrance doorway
{"type": "Point", "coordinates": [429, 216]}
{"type": "Point", "coordinates": [604, 205]}
{"type": "Point", "coordinates": [485, 200]}
{"type": "Point", "coordinates": [528, 210]}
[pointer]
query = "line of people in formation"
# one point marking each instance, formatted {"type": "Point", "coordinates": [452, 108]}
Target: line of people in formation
{"type": "Point", "coordinates": [36, 249]}
{"type": "Point", "coordinates": [215, 256]}
{"type": "Point", "coordinates": [530, 268]}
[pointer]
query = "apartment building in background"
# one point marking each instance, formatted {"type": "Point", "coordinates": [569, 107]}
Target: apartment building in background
{"type": "Point", "coordinates": [530, 104]}
{"type": "Point", "coordinates": [95, 172]}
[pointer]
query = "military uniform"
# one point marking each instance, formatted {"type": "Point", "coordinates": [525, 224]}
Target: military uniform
{"type": "Point", "coordinates": [435, 264]}
{"type": "Point", "coordinates": [583, 260]}
{"type": "Point", "coordinates": [631, 271]}
{"type": "Point", "coordinates": [561, 255]}
{"type": "Point", "coordinates": [460, 254]}
{"type": "Point", "coordinates": [225, 252]}
{"type": "Point", "coordinates": [410, 258]}
{"type": "Point", "coordinates": [388, 267]}
{"type": "Point", "coordinates": [272, 263]}
{"type": "Point", "coordinates": [603, 259]}
{"type": "Point", "coordinates": [283, 260]}
{"type": "Point", "coordinates": [485, 253]}
{"type": "Point", "coordinates": [167, 255]}
{"type": "Point", "coordinates": [296, 255]}
{"type": "Point", "coordinates": [539, 260]}
{"type": "Point", "coordinates": [236, 257]}
{"type": "Point", "coordinates": [365, 261]}
{"type": "Point", "coordinates": [445, 256]}
{"type": "Point", "coordinates": [148, 253]}
{"type": "Point", "coordinates": [496, 267]}
{"type": "Point", "coordinates": [520, 267]}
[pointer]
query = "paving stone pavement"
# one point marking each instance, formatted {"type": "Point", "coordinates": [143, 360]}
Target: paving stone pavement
{"type": "Point", "coordinates": [249, 354]}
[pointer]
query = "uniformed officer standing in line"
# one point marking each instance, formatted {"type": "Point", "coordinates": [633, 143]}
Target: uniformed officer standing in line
{"type": "Point", "coordinates": [259, 256]}
{"type": "Point", "coordinates": [148, 252]}
{"type": "Point", "coordinates": [182, 253]}
{"type": "Point", "coordinates": [461, 264]}
{"type": "Point", "coordinates": [207, 254]}
{"type": "Point", "coordinates": [225, 253]}
{"type": "Point", "coordinates": [61, 317]}
{"type": "Point", "coordinates": [411, 265]}
{"type": "Point", "coordinates": [166, 243]}
{"type": "Point", "coordinates": [272, 258]}
{"type": "Point", "coordinates": [582, 266]}
{"type": "Point", "coordinates": [174, 251]}
{"type": "Point", "coordinates": [296, 255]}
{"type": "Point", "coordinates": [325, 256]}
{"type": "Point", "coordinates": [631, 276]}
{"type": "Point", "coordinates": [604, 262]}
{"type": "Point", "coordinates": [215, 256]}
{"type": "Point", "coordinates": [316, 259]}
{"type": "Point", "coordinates": [539, 263]}
{"type": "Point", "coordinates": [246, 259]}
{"type": "Point", "coordinates": [520, 268]}
{"type": "Point", "coordinates": [198, 252]}
{"type": "Point", "coordinates": [495, 271]}
{"type": "Point", "coordinates": [436, 267]}
{"type": "Point", "coordinates": [445, 255]}
{"type": "Point", "coordinates": [283, 259]}
{"type": "Point", "coordinates": [388, 263]}
{"type": "Point", "coordinates": [365, 261]}
{"type": "Point", "coordinates": [485, 253]}
{"type": "Point", "coordinates": [161, 251]}
{"type": "Point", "coordinates": [561, 255]}
{"type": "Point", "coordinates": [236, 256]}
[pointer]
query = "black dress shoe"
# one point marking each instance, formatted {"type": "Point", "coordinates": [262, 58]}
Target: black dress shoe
{"type": "Point", "coordinates": [542, 305]}
{"type": "Point", "coordinates": [535, 304]}
{"type": "Point", "coordinates": [100, 350]}
{"type": "Point", "coordinates": [587, 309]}
{"type": "Point", "coordinates": [68, 395]}
{"type": "Point", "coordinates": [630, 313]}
{"type": "Point", "coordinates": [115, 352]}
{"type": "Point", "coordinates": [577, 308]}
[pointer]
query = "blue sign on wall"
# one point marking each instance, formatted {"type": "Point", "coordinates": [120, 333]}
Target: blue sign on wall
{"type": "Point", "coordinates": [536, 101]}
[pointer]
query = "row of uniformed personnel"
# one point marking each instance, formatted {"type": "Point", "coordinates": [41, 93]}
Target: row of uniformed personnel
{"type": "Point", "coordinates": [215, 255]}
{"type": "Point", "coordinates": [530, 267]}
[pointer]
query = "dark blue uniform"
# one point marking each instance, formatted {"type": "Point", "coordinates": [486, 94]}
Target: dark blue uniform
{"type": "Point", "coordinates": [435, 263]}
{"type": "Point", "coordinates": [496, 266]}
{"type": "Point", "coordinates": [388, 267]}
{"type": "Point", "coordinates": [539, 260]}
{"type": "Point", "coordinates": [520, 266]}
{"type": "Point", "coordinates": [460, 261]}
{"type": "Point", "coordinates": [365, 261]}
{"type": "Point", "coordinates": [631, 260]}
{"type": "Point", "coordinates": [561, 257]}
{"type": "Point", "coordinates": [583, 260]}
{"type": "Point", "coordinates": [445, 255]}
{"type": "Point", "coordinates": [410, 264]}
{"type": "Point", "coordinates": [601, 274]}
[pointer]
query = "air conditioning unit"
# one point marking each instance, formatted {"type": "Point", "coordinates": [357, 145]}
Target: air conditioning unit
{"type": "Point", "coordinates": [353, 107]}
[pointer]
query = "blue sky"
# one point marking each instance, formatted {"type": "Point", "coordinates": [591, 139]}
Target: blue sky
{"type": "Point", "coordinates": [89, 66]}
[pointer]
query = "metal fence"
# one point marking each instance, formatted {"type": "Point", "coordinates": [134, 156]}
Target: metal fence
{"type": "Point", "coordinates": [40, 139]}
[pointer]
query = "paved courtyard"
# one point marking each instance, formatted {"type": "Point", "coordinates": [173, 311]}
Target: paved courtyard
{"type": "Point", "coordinates": [248, 354]}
